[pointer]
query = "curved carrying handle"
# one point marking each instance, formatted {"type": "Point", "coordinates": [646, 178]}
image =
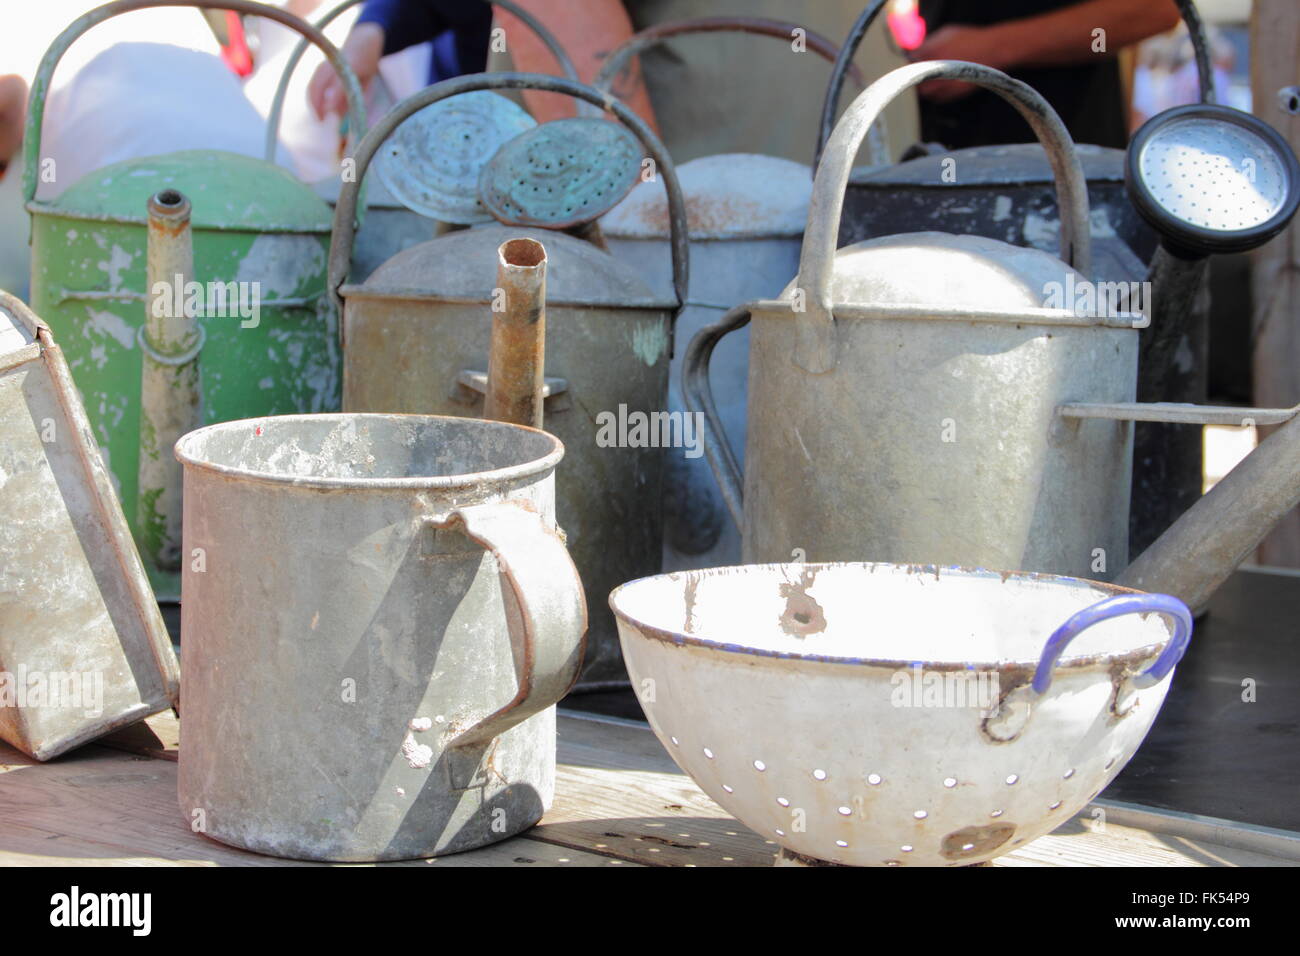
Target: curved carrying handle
{"type": "Point", "coordinates": [546, 608]}
{"type": "Point", "coordinates": [1200, 49]}
{"type": "Point", "coordinates": [41, 84]}
{"type": "Point", "coordinates": [282, 89]}
{"type": "Point", "coordinates": [697, 393]}
{"type": "Point", "coordinates": [345, 226]}
{"type": "Point", "coordinates": [1118, 606]}
{"type": "Point", "coordinates": [815, 346]}
{"type": "Point", "coordinates": [617, 60]}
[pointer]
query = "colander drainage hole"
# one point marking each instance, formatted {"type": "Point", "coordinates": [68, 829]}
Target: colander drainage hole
{"type": "Point", "coordinates": [708, 753]}
{"type": "Point", "coordinates": [906, 848]}
{"type": "Point", "coordinates": [1109, 763]}
{"type": "Point", "coordinates": [819, 774]}
{"type": "Point", "coordinates": [760, 766]}
{"type": "Point", "coordinates": [1068, 774]}
{"type": "Point", "coordinates": [846, 811]}
{"type": "Point", "coordinates": [1055, 806]}
{"type": "Point", "coordinates": [996, 813]}
{"type": "Point", "coordinates": [920, 814]}
{"type": "Point", "coordinates": [950, 782]}
{"type": "Point", "coordinates": [676, 742]}
{"type": "Point", "coordinates": [728, 789]}
{"type": "Point", "coordinates": [873, 779]}
{"type": "Point", "coordinates": [780, 832]}
{"type": "Point", "coordinates": [783, 801]}
{"type": "Point", "coordinates": [1012, 779]}
{"type": "Point", "coordinates": [842, 843]}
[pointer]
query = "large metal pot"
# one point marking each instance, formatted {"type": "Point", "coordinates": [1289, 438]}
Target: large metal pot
{"type": "Point", "coordinates": [416, 336]}
{"type": "Point", "coordinates": [271, 337]}
{"type": "Point", "coordinates": [376, 679]}
{"type": "Point", "coordinates": [913, 401]}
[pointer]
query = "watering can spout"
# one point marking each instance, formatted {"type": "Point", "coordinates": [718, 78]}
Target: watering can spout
{"type": "Point", "coordinates": [518, 350]}
{"type": "Point", "coordinates": [1198, 552]}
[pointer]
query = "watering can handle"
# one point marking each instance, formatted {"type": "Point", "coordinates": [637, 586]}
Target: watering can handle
{"type": "Point", "coordinates": [1118, 606]}
{"type": "Point", "coordinates": [41, 84]}
{"type": "Point", "coordinates": [274, 117]}
{"type": "Point", "coordinates": [815, 341]}
{"type": "Point", "coordinates": [547, 609]}
{"type": "Point", "coordinates": [617, 60]}
{"type": "Point", "coordinates": [698, 394]}
{"type": "Point", "coordinates": [345, 226]}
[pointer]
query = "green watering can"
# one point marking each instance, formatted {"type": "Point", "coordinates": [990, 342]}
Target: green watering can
{"type": "Point", "coordinates": [260, 243]}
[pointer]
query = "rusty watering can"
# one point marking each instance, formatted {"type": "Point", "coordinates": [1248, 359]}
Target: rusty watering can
{"type": "Point", "coordinates": [416, 336]}
{"type": "Point", "coordinates": [1006, 192]}
{"type": "Point", "coordinates": [746, 215]}
{"type": "Point", "coordinates": [912, 400]}
{"type": "Point", "coordinates": [259, 242]}
{"type": "Point", "coordinates": [434, 177]}
{"type": "Point", "coordinates": [375, 678]}
{"type": "Point", "coordinates": [83, 648]}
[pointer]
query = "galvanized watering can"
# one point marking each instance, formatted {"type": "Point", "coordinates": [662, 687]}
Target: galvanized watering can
{"type": "Point", "coordinates": [1006, 192]}
{"type": "Point", "coordinates": [898, 715]}
{"type": "Point", "coordinates": [259, 251]}
{"type": "Point", "coordinates": [377, 680]}
{"type": "Point", "coordinates": [437, 185]}
{"type": "Point", "coordinates": [912, 400]}
{"type": "Point", "coordinates": [83, 648]}
{"type": "Point", "coordinates": [746, 215]}
{"type": "Point", "coordinates": [416, 338]}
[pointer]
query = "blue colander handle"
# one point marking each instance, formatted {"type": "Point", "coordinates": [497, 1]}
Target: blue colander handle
{"type": "Point", "coordinates": [1164, 604]}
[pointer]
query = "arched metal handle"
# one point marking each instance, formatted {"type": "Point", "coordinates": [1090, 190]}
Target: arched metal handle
{"type": "Point", "coordinates": [1118, 606]}
{"type": "Point", "coordinates": [548, 619]}
{"type": "Point", "coordinates": [618, 59]}
{"type": "Point", "coordinates": [697, 393]}
{"type": "Point", "coordinates": [1200, 48]}
{"type": "Point", "coordinates": [345, 226]}
{"type": "Point", "coordinates": [274, 117]}
{"type": "Point", "coordinates": [814, 348]}
{"type": "Point", "coordinates": [41, 84]}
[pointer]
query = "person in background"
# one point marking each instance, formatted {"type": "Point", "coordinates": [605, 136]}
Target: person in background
{"type": "Point", "coordinates": [13, 113]}
{"type": "Point", "coordinates": [1053, 45]}
{"type": "Point", "coordinates": [459, 31]}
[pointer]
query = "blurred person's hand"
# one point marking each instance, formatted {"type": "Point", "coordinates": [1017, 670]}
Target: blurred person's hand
{"type": "Point", "coordinates": [363, 50]}
{"type": "Point", "coordinates": [13, 114]}
{"type": "Point", "coordinates": [958, 42]}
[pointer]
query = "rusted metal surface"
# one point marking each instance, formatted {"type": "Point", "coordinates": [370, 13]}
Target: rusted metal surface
{"type": "Point", "coordinates": [171, 402]}
{"type": "Point", "coordinates": [83, 648]}
{"type": "Point", "coordinates": [417, 332]}
{"type": "Point", "coordinates": [424, 618]}
{"type": "Point", "coordinates": [517, 355]}
{"type": "Point", "coordinates": [561, 175]}
{"type": "Point", "coordinates": [865, 746]}
{"type": "Point", "coordinates": [617, 61]}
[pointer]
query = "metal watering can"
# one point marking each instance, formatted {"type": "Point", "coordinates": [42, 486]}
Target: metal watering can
{"type": "Point", "coordinates": [376, 679]}
{"type": "Point", "coordinates": [83, 648]}
{"type": "Point", "coordinates": [258, 233]}
{"type": "Point", "coordinates": [416, 340]}
{"type": "Point", "coordinates": [1006, 192]}
{"type": "Point", "coordinates": [746, 214]}
{"type": "Point", "coordinates": [434, 185]}
{"type": "Point", "coordinates": [912, 401]}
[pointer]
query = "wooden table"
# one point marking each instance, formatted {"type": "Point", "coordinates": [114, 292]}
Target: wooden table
{"type": "Point", "coordinates": [620, 801]}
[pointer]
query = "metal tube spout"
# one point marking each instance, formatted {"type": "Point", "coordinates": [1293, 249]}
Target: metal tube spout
{"type": "Point", "coordinates": [170, 401]}
{"type": "Point", "coordinates": [518, 353]}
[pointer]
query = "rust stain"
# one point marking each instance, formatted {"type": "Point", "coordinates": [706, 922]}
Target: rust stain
{"type": "Point", "coordinates": [976, 840]}
{"type": "Point", "coordinates": [802, 615]}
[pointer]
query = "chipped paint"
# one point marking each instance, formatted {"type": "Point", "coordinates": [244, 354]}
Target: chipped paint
{"type": "Point", "coordinates": [650, 341]}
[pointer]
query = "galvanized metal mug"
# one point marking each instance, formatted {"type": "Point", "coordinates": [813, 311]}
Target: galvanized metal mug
{"type": "Point", "coordinates": [380, 615]}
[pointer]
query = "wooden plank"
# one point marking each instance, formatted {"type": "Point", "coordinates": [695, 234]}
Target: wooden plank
{"type": "Point", "coordinates": [1275, 268]}
{"type": "Point", "coordinates": [620, 801]}
{"type": "Point", "coordinates": [102, 807]}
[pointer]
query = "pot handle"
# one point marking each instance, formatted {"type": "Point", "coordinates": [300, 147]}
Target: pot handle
{"type": "Point", "coordinates": [815, 341]}
{"type": "Point", "coordinates": [617, 60]}
{"type": "Point", "coordinates": [1172, 608]}
{"type": "Point", "coordinates": [282, 89]}
{"type": "Point", "coordinates": [345, 226]}
{"type": "Point", "coordinates": [546, 607]}
{"type": "Point", "coordinates": [697, 393]}
{"type": "Point", "coordinates": [41, 83]}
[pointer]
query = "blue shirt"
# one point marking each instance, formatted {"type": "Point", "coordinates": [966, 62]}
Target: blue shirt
{"type": "Point", "coordinates": [458, 29]}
